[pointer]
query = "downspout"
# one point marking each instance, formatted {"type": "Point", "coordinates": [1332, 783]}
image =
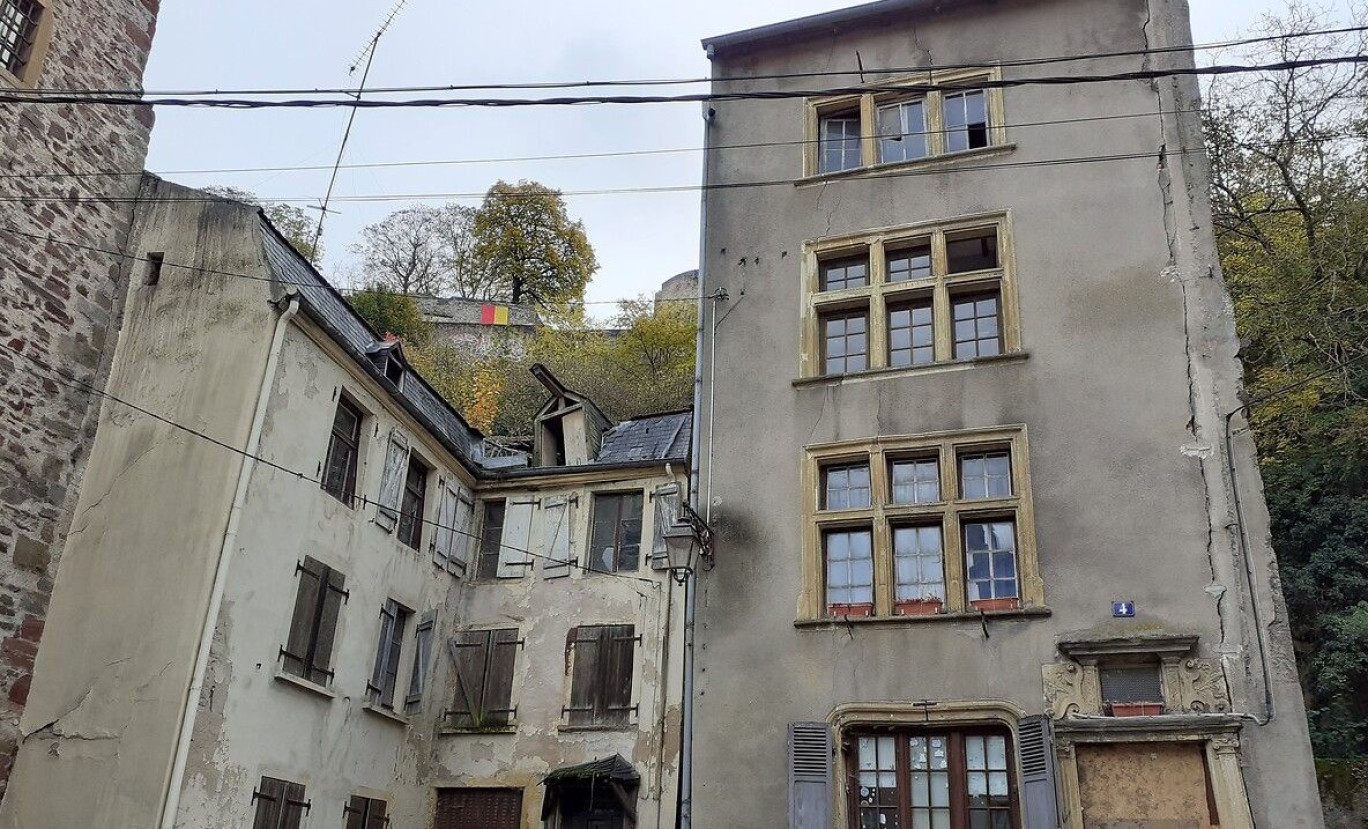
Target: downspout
{"type": "Point", "coordinates": [684, 820]}
{"type": "Point", "coordinates": [171, 802]}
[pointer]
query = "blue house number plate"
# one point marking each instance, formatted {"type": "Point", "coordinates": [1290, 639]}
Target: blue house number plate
{"type": "Point", "coordinates": [1123, 610]}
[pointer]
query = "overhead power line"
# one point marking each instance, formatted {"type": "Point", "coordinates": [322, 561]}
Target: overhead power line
{"type": "Point", "coordinates": [626, 82]}
{"type": "Point", "coordinates": [56, 375]}
{"type": "Point", "coordinates": [136, 100]}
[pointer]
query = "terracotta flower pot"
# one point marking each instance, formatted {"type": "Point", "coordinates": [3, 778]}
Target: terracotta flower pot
{"type": "Point", "coordinates": [1135, 709]}
{"type": "Point", "coordinates": [850, 610]}
{"type": "Point", "coordinates": [996, 604]}
{"type": "Point", "coordinates": [918, 607]}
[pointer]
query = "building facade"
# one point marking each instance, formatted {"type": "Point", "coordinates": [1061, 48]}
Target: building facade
{"type": "Point", "coordinates": [297, 592]}
{"type": "Point", "coordinates": [60, 284]}
{"type": "Point", "coordinates": [990, 538]}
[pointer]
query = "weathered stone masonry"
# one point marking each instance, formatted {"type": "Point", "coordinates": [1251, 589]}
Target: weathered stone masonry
{"type": "Point", "coordinates": [57, 300]}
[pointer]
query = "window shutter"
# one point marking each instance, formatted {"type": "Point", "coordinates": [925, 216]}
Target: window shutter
{"type": "Point", "coordinates": [498, 694]}
{"type": "Point", "coordinates": [356, 812]}
{"type": "Point", "coordinates": [270, 803]}
{"type": "Point", "coordinates": [444, 539]}
{"type": "Point", "coordinates": [333, 593]}
{"type": "Point", "coordinates": [390, 679]}
{"type": "Point", "coordinates": [1039, 773]}
{"type": "Point", "coordinates": [555, 537]}
{"type": "Point", "coordinates": [375, 818]}
{"type": "Point", "coordinates": [391, 482]}
{"type": "Point", "coordinates": [517, 537]}
{"type": "Point", "coordinates": [615, 654]}
{"type": "Point", "coordinates": [469, 649]}
{"type": "Point", "coordinates": [809, 766]}
{"type": "Point", "coordinates": [666, 499]}
{"type": "Point", "coordinates": [388, 614]}
{"type": "Point", "coordinates": [582, 648]}
{"type": "Point", "coordinates": [464, 540]}
{"type": "Point", "coordinates": [296, 651]}
{"type": "Point", "coordinates": [422, 657]}
{"type": "Point", "coordinates": [294, 806]}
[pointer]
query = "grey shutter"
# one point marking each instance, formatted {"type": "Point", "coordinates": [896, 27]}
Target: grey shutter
{"type": "Point", "coordinates": [355, 811]}
{"type": "Point", "coordinates": [582, 648]}
{"type": "Point", "coordinates": [464, 533]}
{"type": "Point", "coordinates": [555, 537]}
{"type": "Point", "coordinates": [809, 768]}
{"type": "Point", "coordinates": [666, 499]}
{"type": "Point", "coordinates": [616, 658]}
{"type": "Point", "coordinates": [296, 651]}
{"type": "Point", "coordinates": [444, 539]}
{"type": "Point", "coordinates": [1039, 773]}
{"type": "Point", "coordinates": [422, 656]}
{"type": "Point", "coordinates": [391, 482]}
{"type": "Point", "coordinates": [388, 616]}
{"type": "Point", "coordinates": [293, 809]}
{"type": "Point", "coordinates": [333, 593]}
{"type": "Point", "coordinates": [375, 817]}
{"type": "Point", "coordinates": [517, 537]}
{"type": "Point", "coordinates": [270, 803]}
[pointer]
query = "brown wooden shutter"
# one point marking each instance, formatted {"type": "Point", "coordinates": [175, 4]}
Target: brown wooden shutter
{"type": "Point", "coordinates": [469, 653]}
{"type": "Point", "coordinates": [582, 648]}
{"type": "Point", "coordinates": [270, 803]}
{"type": "Point", "coordinates": [478, 809]}
{"type": "Point", "coordinates": [334, 592]}
{"type": "Point", "coordinates": [294, 806]}
{"type": "Point", "coordinates": [616, 655]}
{"type": "Point", "coordinates": [375, 817]}
{"type": "Point", "coordinates": [355, 812]}
{"type": "Point", "coordinates": [498, 695]}
{"type": "Point", "coordinates": [312, 574]}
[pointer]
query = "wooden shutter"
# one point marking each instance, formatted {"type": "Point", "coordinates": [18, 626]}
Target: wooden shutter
{"type": "Point", "coordinates": [270, 803]}
{"type": "Point", "coordinates": [294, 806]}
{"type": "Point", "coordinates": [422, 657]}
{"type": "Point", "coordinates": [1039, 773]}
{"type": "Point", "coordinates": [666, 499]}
{"type": "Point", "coordinates": [809, 769]}
{"type": "Point", "coordinates": [616, 656]}
{"type": "Point", "coordinates": [355, 812]}
{"type": "Point", "coordinates": [333, 592]}
{"type": "Point", "coordinates": [464, 540]}
{"type": "Point", "coordinates": [391, 482]}
{"type": "Point", "coordinates": [517, 538]}
{"type": "Point", "coordinates": [498, 692]}
{"type": "Point", "coordinates": [582, 651]}
{"type": "Point", "coordinates": [555, 537]}
{"type": "Point", "coordinates": [390, 678]}
{"type": "Point", "coordinates": [478, 809]}
{"type": "Point", "coordinates": [470, 655]}
{"type": "Point", "coordinates": [312, 575]}
{"type": "Point", "coordinates": [376, 685]}
{"type": "Point", "coordinates": [375, 815]}
{"type": "Point", "coordinates": [444, 539]}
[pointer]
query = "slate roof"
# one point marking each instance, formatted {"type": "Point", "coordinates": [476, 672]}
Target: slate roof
{"type": "Point", "coordinates": [881, 12]}
{"type": "Point", "coordinates": [657, 437]}
{"type": "Point", "coordinates": [613, 768]}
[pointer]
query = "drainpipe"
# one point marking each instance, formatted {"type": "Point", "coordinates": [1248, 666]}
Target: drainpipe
{"type": "Point", "coordinates": [171, 802]}
{"type": "Point", "coordinates": [684, 820]}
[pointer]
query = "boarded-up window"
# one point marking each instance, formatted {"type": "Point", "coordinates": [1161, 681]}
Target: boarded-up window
{"type": "Point", "coordinates": [339, 469]}
{"type": "Point", "coordinates": [393, 620]}
{"type": "Point", "coordinates": [365, 813]}
{"type": "Point", "coordinates": [280, 804]}
{"type": "Point", "coordinates": [478, 809]}
{"type": "Point", "coordinates": [451, 536]}
{"type": "Point", "coordinates": [484, 661]}
{"type": "Point", "coordinates": [308, 652]}
{"type": "Point", "coordinates": [391, 482]}
{"type": "Point", "coordinates": [616, 542]}
{"type": "Point", "coordinates": [600, 660]}
{"type": "Point", "coordinates": [555, 536]}
{"type": "Point", "coordinates": [413, 504]}
{"type": "Point", "coordinates": [422, 658]}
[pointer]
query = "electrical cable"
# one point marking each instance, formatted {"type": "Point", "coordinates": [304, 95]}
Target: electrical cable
{"type": "Point", "coordinates": [58, 376]}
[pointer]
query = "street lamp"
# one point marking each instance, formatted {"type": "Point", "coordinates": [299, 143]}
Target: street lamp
{"type": "Point", "coordinates": [685, 537]}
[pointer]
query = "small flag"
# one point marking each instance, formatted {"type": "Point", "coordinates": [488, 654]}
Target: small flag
{"type": "Point", "coordinates": [491, 314]}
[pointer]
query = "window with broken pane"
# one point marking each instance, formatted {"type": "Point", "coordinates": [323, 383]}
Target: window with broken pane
{"type": "Point", "coordinates": [966, 121]}
{"type": "Point", "coordinates": [973, 251]}
{"type": "Point", "coordinates": [878, 806]}
{"type": "Point", "coordinates": [616, 542]}
{"type": "Point", "coordinates": [987, 781]}
{"type": "Point", "coordinates": [990, 559]}
{"type": "Point", "coordinates": [344, 445]}
{"type": "Point", "coordinates": [902, 131]}
{"type": "Point", "coordinates": [846, 487]}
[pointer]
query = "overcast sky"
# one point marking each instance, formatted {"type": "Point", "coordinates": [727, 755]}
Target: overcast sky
{"type": "Point", "coordinates": [640, 238]}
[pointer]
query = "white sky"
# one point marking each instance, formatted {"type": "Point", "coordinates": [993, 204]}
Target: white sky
{"type": "Point", "coordinates": [640, 238]}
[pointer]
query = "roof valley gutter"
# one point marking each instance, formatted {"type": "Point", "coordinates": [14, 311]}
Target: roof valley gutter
{"type": "Point", "coordinates": [171, 800]}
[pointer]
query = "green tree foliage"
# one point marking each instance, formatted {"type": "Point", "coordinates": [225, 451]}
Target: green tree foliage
{"type": "Point", "coordinates": [392, 313]}
{"type": "Point", "coordinates": [292, 222]}
{"type": "Point", "coordinates": [525, 237]}
{"type": "Point", "coordinates": [1290, 194]}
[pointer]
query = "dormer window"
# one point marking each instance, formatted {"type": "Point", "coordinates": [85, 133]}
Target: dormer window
{"type": "Point", "coordinates": [390, 361]}
{"type": "Point", "coordinates": [394, 371]}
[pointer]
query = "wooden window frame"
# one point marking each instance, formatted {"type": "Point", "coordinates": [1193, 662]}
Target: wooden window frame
{"type": "Point", "coordinates": [880, 296]}
{"type": "Point", "coordinates": [413, 503]}
{"type": "Point", "coordinates": [29, 71]}
{"type": "Point", "coordinates": [600, 499]}
{"type": "Point", "coordinates": [602, 703]}
{"type": "Point", "coordinates": [951, 512]}
{"type": "Point", "coordinates": [338, 441]}
{"type": "Point", "coordinates": [867, 105]}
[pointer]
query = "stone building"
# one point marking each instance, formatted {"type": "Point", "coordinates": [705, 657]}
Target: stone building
{"type": "Point", "coordinates": [991, 544]}
{"type": "Point", "coordinates": [299, 592]}
{"type": "Point", "coordinates": [60, 274]}
{"type": "Point", "coordinates": [481, 328]}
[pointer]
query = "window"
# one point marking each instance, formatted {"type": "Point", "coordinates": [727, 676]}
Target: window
{"type": "Point", "coordinates": [484, 661]}
{"type": "Point", "coordinates": [600, 666]}
{"type": "Point", "coordinates": [365, 813]}
{"type": "Point", "coordinates": [411, 507]}
{"type": "Point", "coordinates": [908, 297]}
{"type": "Point", "coordinates": [930, 779]}
{"type": "Point", "coordinates": [339, 469]}
{"type": "Point", "coordinates": [394, 619]}
{"type": "Point", "coordinates": [1131, 689]}
{"type": "Point", "coordinates": [920, 526]}
{"type": "Point", "coordinates": [318, 603]}
{"type": "Point", "coordinates": [422, 658]}
{"type": "Point", "coordinates": [280, 804]}
{"type": "Point", "coordinates": [491, 539]}
{"type": "Point", "coordinates": [19, 21]}
{"type": "Point", "coordinates": [616, 542]}
{"type": "Point", "coordinates": [890, 126]}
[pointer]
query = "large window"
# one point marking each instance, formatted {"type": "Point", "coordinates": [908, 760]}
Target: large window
{"type": "Point", "coordinates": [601, 660]}
{"type": "Point", "coordinates": [853, 132]}
{"type": "Point", "coordinates": [344, 446]}
{"type": "Point", "coordinates": [917, 527]}
{"type": "Point", "coordinates": [616, 542]}
{"type": "Point", "coordinates": [19, 22]}
{"type": "Point", "coordinates": [318, 603]}
{"type": "Point", "coordinates": [907, 297]}
{"type": "Point", "coordinates": [930, 779]}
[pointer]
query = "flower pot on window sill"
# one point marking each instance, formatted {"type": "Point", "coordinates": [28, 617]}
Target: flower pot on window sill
{"type": "Point", "coordinates": [918, 607]}
{"type": "Point", "coordinates": [996, 604]}
{"type": "Point", "coordinates": [1135, 709]}
{"type": "Point", "coordinates": [850, 610]}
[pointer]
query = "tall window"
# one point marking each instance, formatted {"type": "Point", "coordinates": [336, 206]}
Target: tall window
{"type": "Point", "coordinates": [411, 507]}
{"type": "Point", "coordinates": [484, 661]}
{"type": "Point", "coordinates": [910, 297]}
{"type": "Point", "coordinates": [491, 540]}
{"type": "Point", "coordinates": [601, 664]}
{"type": "Point", "coordinates": [616, 542]}
{"type": "Point", "coordinates": [921, 526]}
{"type": "Point", "coordinates": [902, 131]}
{"type": "Point", "coordinates": [365, 813]}
{"type": "Point", "coordinates": [344, 445]}
{"type": "Point", "coordinates": [928, 779]}
{"type": "Point", "coordinates": [839, 142]}
{"type": "Point", "coordinates": [394, 619]}
{"type": "Point", "coordinates": [318, 603]}
{"type": "Point", "coordinates": [280, 804]}
{"type": "Point", "coordinates": [19, 21]}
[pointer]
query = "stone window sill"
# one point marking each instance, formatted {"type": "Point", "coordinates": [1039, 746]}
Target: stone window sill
{"type": "Point", "coordinates": [930, 618]}
{"type": "Point", "coordinates": [458, 731]}
{"type": "Point", "coordinates": [900, 371]}
{"type": "Point", "coordinates": [898, 168]}
{"type": "Point", "coordinates": [385, 713]}
{"type": "Point", "coordinates": [574, 728]}
{"type": "Point", "coordinates": [305, 685]}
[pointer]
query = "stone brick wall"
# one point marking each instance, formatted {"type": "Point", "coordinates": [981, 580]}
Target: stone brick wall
{"type": "Point", "coordinates": [58, 301]}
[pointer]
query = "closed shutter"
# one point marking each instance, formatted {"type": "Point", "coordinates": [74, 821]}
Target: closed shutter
{"type": "Point", "coordinates": [422, 657]}
{"type": "Point", "coordinates": [391, 482]}
{"type": "Point", "coordinates": [516, 541]}
{"type": "Point", "coordinates": [292, 812]}
{"type": "Point", "coordinates": [312, 574]}
{"type": "Point", "coordinates": [444, 539]}
{"type": "Point", "coordinates": [555, 537]}
{"type": "Point", "coordinates": [375, 815]}
{"type": "Point", "coordinates": [469, 654]}
{"type": "Point", "coordinates": [270, 803]}
{"type": "Point", "coordinates": [582, 651]}
{"type": "Point", "coordinates": [478, 809]}
{"type": "Point", "coordinates": [464, 534]}
{"type": "Point", "coordinates": [1039, 773]}
{"type": "Point", "coordinates": [809, 768]}
{"type": "Point", "coordinates": [334, 593]}
{"type": "Point", "coordinates": [666, 499]}
{"type": "Point", "coordinates": [601, 659]}
{"type": "Point", "coordinates": [498, 694]}
{"type": "Point", "coordinates": [619, 648]}
{"type": "Point", "coordinates": [388, 616]}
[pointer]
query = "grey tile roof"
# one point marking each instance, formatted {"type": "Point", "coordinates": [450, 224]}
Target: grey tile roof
{"type": "Point", "coordinates": [650, 438]}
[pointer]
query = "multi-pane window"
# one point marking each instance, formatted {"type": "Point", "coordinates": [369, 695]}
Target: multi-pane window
{"type": "Point", "coordinates": [920, 526]}
{"type": "Point", "coordinates": [909, 297]}
{"type": "Point", "coordinates": [411, 507]}
{"type": "Point", "coordinates": [484, 661]}
{"type": "Point", "coordinates": [394, 619]}
{"type": "Point", "coordinates": [365, 813]}
{"type": "Point", "coordinates": [906, 779]}
{"type": "Point", "coordinates": [344, 445]}
{"type": "Point", "coordinates": [601, 663]}
{"type": "Point", "coordinates": [615, 544]}
{"type": "Point", "coordinates": [491, 540]}
{"type": "Point", "coordinates": [19, 21]}
{"type": "Point", "coordinates": [855, 131]}
{"type": "Point", "coordinates": [318, 603]}
{"type": "Point", "coordinates": [280, 804]}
